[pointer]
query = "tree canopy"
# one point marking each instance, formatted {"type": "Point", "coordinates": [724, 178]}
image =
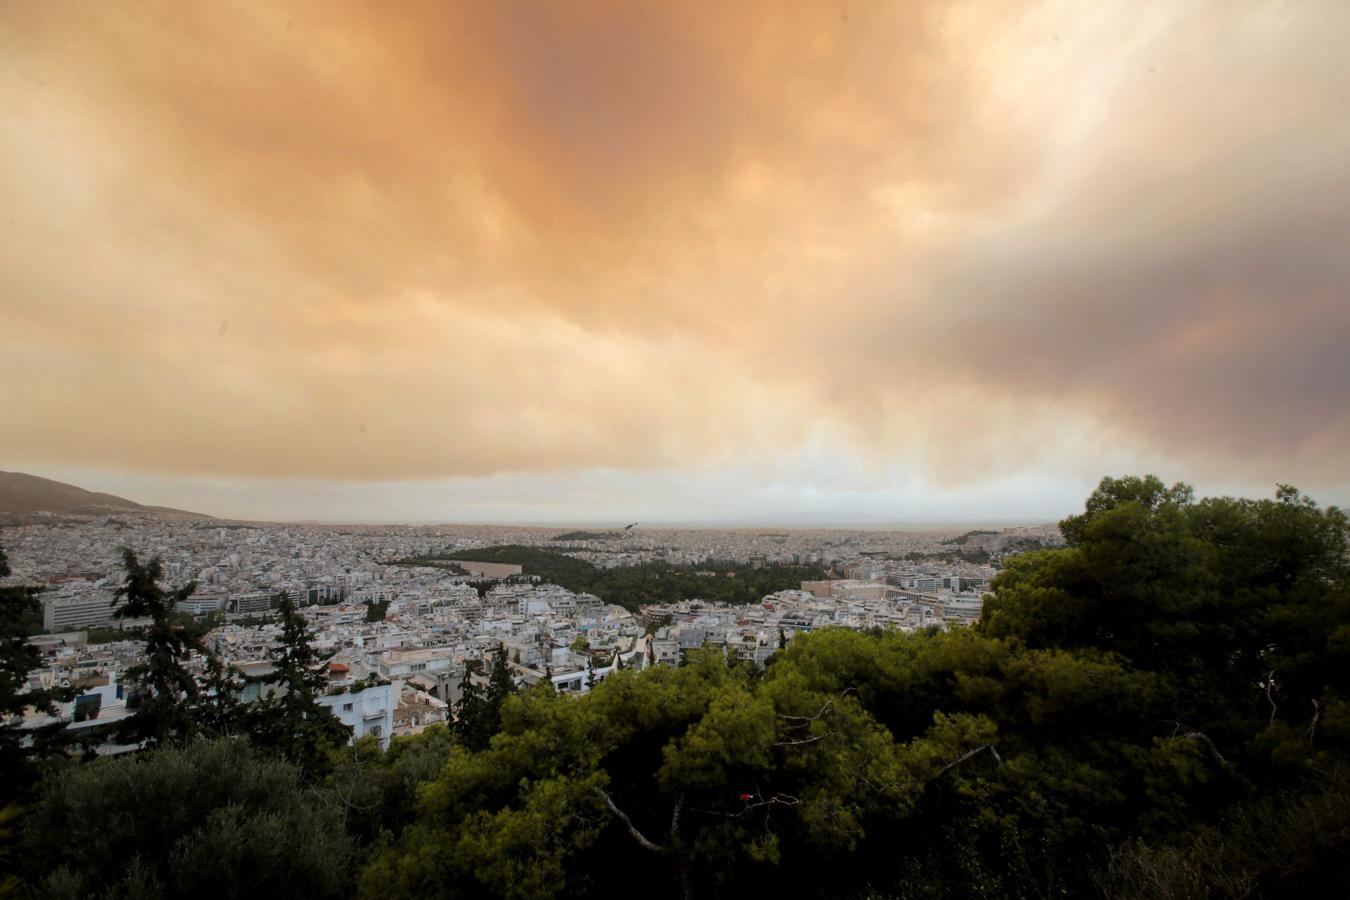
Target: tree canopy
{"type": "Point", "coordinates": [20, 618]}
{"type": "Point", "coordinates": [632, 586]}
{"type": "Point", "coordinates": [164, 691]}
{"type": "Point", "coordinates": [212, 819]}
{"type": "Point", "coordinates": [289, 717]}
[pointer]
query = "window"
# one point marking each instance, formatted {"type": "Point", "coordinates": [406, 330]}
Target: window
{"type": "Point", "coordinates": [346, 707]}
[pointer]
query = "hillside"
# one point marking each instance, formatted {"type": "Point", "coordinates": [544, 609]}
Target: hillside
{"type": "Point", "coordinates": [22, 497]}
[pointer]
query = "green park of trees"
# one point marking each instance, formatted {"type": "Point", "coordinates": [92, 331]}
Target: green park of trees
{"type": "Point", "coordinates": [632, 586]}
{"type": "Point", "coordinates": [1158, 709]}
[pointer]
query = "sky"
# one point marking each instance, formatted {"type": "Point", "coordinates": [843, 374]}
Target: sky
{"type": "Point", "coordinates": [538, 261]}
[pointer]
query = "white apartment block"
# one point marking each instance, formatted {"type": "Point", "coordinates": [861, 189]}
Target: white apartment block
{"type": "Point", "coordinates": [84, 610]}
{"type": "Point", "coordinates": [370, 712]}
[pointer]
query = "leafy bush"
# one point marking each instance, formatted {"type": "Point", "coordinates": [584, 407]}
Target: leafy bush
{"type": "Point", "coordinates": [213, 819]}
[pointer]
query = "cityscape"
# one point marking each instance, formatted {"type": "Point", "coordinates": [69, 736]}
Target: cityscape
{"type": "Point", "coordinates": [412, 633]}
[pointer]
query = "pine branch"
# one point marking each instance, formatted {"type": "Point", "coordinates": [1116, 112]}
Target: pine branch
{"type": "Point", "coordinates": [1270, 685]}
{"type": "Point", "coordinates": [968, 755]}
{"type": "Point", "coordinates": [775, 800]}
{"type": "Point", "coordinates": [638, 836]}
{"type": "Point", "coordinates": [800, 742]}
{"type": "Point", "coordinates": [1214, 752]}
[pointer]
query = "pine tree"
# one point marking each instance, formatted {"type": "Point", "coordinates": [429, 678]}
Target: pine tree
{"type": "Point", "coordinates": [164, 691]}
{"type": "Point", "coordinates": [500, 685]}
{"type": "Point", "coordinates": [20, 617]}
{"type": "Point", "coordinates": [291, 719]}
{"type": "Point", "coordinates": [478, 714]}
{"type": "Point", "coordinates": [220, 711]}
{"type": "Point", "coordinates": [469, 711]}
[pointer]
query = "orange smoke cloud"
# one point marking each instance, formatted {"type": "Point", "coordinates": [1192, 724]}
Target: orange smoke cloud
{"type": "Point", "coordinates": [363, 241]}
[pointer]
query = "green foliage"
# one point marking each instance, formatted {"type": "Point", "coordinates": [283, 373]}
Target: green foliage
{"type": "Point", "coordinates": [20, 618]}
{"type": "Point", "coordinates": [164, 691]}
{"type": "Point", "coordinates": [213, 819]}
{"type": "Point", "coordinates": [1291, 844]}
{"type": "Point", "coordinates": [375, 612]}
{"type": "Point", "coordinates": [478, 714]}
{"type": "Point", "coordinates": [377, 792]}
{"type": "Point", "coordinates": [633, 586]}
{"type": "Point", "coordinates": [469, 715]}
{"type": "Point", "coordinates": [196, 625]}
{"type": "Point", "coordinates": [501, 684]}
{"type": "Point", "coordinates": [290, 719]}
{"type": "Point", "coordinates": [557, 568]}
{"type": "Point", "coordinates": [220, 712]}
{"type": "Point", "coordinates": [110, 635]}
{"type": "Point", "coordinates": [10, 885]}
{"type": "Point", "coordinates": [1240, 606]}
{"type": "Point", "coordinates": [962, 539]}
{"type": "Point", "coordinates": [977, 557]}
{"type": "Point", "coordinates": [698, 739]}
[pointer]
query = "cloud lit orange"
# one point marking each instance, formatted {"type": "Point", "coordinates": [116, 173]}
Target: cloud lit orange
{"type": "Point", "coordinates": [372, 241]}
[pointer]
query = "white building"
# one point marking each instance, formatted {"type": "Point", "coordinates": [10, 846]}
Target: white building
{"type": "Point", "coordinates": [370, 712]}
{"type": "Point", "coordinates": [83, 610]}
{"type": "Point", "coordinates": [402, 663]}
{"type": "Point", "coordinates": [198, 604]}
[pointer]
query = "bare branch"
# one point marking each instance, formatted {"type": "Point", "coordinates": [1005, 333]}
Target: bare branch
{"type": "Point", "coordinates": [806, 720]}
{"type": "Point", "coordinates": [628, 823]}
{"type": "Point", "coordinates": [1312, 726]}
{"type": "Point", "coordinates": [798, 743]}
{"type": "Point", "coordinates": [775, 800]}
{"type": "Point", "coordinates": [967, 755]}
{"type": "Point", "coordinates": [1270, 685]}
{"type": "Point", "coordinates": [1214, 752]}
{"type": "Point", "coordinates": [675, 817]}
{"type": "Point", "coordinates": [1204, 739]}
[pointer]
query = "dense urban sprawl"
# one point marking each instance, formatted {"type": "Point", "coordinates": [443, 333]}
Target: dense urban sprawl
{"type": "Point", "coordinates": [402, 627]}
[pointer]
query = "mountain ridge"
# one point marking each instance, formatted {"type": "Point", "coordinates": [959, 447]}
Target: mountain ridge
{"type": "Point", "coordinates": [25, 497]}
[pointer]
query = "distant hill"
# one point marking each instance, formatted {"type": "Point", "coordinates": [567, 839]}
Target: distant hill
{"type": "Point", "coordinates": [25, 498]}
{"type": "Point", "coordinates": [587, 536]}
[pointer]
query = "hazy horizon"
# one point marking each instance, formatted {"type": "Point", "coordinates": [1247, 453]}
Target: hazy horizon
{"type": "Point", "coordinates": [490, 503]}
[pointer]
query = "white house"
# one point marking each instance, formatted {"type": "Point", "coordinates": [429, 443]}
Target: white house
{"type": "Point", "coordinates": [369, 712]}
